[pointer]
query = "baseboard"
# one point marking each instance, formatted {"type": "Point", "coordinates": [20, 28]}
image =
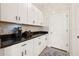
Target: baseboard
{"type": "Point", "coordinates": [61, 50]}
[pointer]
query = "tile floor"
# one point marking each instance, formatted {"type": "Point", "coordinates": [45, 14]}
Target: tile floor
{"type": "Point", "coordinates": [48, 51]}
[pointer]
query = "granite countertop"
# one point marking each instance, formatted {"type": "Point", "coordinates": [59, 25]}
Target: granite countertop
{"type": "Point", "coordinates": [12, 41]}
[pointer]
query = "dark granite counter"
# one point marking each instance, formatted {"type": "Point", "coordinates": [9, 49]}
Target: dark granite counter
{"type": "Point", "coordinates": [8, 40]}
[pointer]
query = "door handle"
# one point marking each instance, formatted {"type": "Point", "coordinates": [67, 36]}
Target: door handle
{"type": "Point", "coordinates": [77, 36]}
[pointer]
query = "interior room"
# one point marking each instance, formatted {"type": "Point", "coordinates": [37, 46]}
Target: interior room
{"type": "Point", "coordinates": [39, 29]}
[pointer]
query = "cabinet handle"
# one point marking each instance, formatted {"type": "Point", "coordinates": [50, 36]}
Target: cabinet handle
{"type": "Point", "coordinates": [22, 54]}
{"type": "Point", "coordinates": [16, 17]}
{"type": "Point", "coordinates": [45, 38]}
{"type": "Point", "coordinates": [24, 44]}
{"type": "Point", "coordinates": [19, 18]}
{"type": "Point", "coordinates": [66, 30]}
{"type": "Point", "coordinates": [77, 36]}
{"type": "Point", "coordinates": [51, 32]}
{"type": "Point", "coordinates": [25, 52]}
{"type": "Point", "coordinates": [38, 38]}
{"type": "Point", "coordinates": [39, 43]}
{"type": "Point", "coordinates": [40, 23]}
{"type": "Point", "coordinates": [33, 22]}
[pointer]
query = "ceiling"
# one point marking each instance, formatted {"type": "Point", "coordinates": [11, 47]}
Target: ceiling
{"type": "Point", "coordinates": [48, 7]}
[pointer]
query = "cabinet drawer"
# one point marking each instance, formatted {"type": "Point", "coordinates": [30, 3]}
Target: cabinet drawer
{"type": "Point", "coordinates": [27, 48]}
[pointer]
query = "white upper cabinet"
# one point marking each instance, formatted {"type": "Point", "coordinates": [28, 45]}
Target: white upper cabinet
{"type": "Point", "coordinates": [14, 12]}
{"type": "Point", "coordinates": [9, 12]}
{"type": "Point", "coordinates": [35, 16]}
{"type": "Point", "coordinates": [39, 17]}
{"type": "Point", "coordinates": [22, 12]}
{"type": "Point", "coordinates": [30, 13]}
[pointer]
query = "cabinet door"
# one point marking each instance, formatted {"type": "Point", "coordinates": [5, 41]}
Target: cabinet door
{"type": "Point", "coordinates": [39, 44]}
{"type": "Point", "coordinates": [2, 52]}
{"type": "Point", "coordinates": [43, 43]}
{"type": "Point", "coordinates": [46, 39]}
{"type": "Point", "coordinates": [31, 19]}
{"type": "Point", "coordinates": [34, 15]}
{"type": "Point", "coordinates": [23, 48]}
{"type": "Point", "coordinates": [38, 16]}
{"type": "Point", "coordinates": [29, 48]}
{"type": "Point", "coordinates": [22, 12]}
{"type": "Point", "coordinates": [26, 48]}
{"type": "Point", "coordinates": [9, 12]}
{"type": "Point", "coordinates": [36, 46]}
{"type": "Point", "coordinates": [11, 51]}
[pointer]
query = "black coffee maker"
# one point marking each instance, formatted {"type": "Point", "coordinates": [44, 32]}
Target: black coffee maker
{"type": "Point", "coordinates": [18, 33]}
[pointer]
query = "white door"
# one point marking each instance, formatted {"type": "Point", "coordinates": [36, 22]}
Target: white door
{"type": "Point", "coordinates": [58, 31]}
{"type": "Point", "coordinates": [9, 12]}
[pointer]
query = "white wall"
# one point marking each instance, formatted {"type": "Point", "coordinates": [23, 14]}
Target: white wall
{"type": "Point", "coordinates": [7, 28]}
{"type": "Point", "coordinates": [74, 29]}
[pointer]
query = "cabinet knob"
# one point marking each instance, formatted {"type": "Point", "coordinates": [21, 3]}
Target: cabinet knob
{"type": "Point", "coordinates": [33, 22]}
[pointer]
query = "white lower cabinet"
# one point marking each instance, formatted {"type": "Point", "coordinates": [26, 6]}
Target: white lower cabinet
{"type": "Point", "coordinates": [11, 51]}
{"type": "Point", "coordinates": [26, 48]}
{"type": "Point", "coordinates": [36, 48]}
{"type": "Point", "coordinates": [31, 47]}
{"type": "Point", "coordinates": [20, 49]}
{"type": "Point", "coordinates": [39, 44]}
{"type": "Point", "coordinates": [43, 43]}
